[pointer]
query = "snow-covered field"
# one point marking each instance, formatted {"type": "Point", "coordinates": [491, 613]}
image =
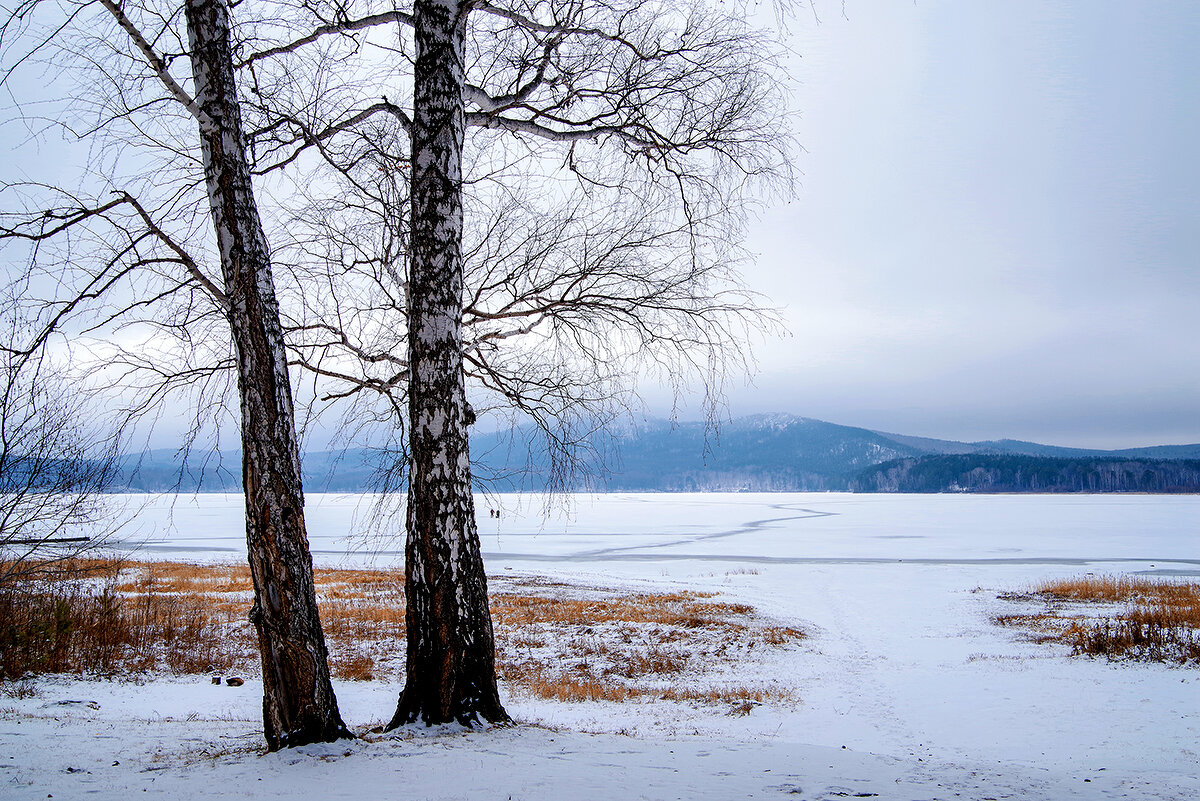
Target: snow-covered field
{"type": "Point", "coordinates": [907, 690]}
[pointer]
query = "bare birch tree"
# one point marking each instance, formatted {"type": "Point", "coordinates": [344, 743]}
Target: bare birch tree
{"type": "Point", "coordinates": [676, 105]}
{"type": "Point", "coordinates": [130, 247]}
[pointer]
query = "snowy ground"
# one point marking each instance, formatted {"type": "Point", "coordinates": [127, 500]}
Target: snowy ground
{"type": "Point", "coordinates": [907, 691]}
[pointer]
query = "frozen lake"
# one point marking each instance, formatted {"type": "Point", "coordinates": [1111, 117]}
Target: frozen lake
{"type": "Point", "coordinates": [1146, 533]}
{"type": "Point", "coordinates": [896, 592]}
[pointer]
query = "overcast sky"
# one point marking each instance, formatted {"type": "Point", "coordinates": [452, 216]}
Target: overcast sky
{"type": "Point", "coordinates": [996, 224]}
{"type": "Point", "coordinates": [997, 227]}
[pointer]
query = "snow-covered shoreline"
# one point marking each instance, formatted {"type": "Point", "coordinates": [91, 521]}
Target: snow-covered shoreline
{"type": "Point", "coordinates": [106, 750]}
{"type": "Point", "coordinates": [902, 666]}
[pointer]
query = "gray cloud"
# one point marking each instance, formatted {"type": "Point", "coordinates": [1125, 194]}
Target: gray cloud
{"type": "Point", "coordinates": [998, 224]}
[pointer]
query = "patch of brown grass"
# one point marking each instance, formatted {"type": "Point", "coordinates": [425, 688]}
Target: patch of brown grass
{"type": "Point", "coordinates": [554, 640]}
{"type": "Point", "coordinates": [86, 623]}
{"type": "Point", "coordinates": [685, 609]}
{"type": "Point", "coordinates": [358, 667]}
{"type": "Point", "coordinates": [1120, 589]}
{"type": "Point", "coordinates": [1131, 638]}
{"type": "Point", "coordinates": [780, 635]}
{"type": "Point", "coordinates": [579, 645]}
{"type": "Point", "coordinates": [1154, 620]}
{"type": "Point", "coordinates": [185, 579]}
{"type": "Point", "coordinates": [559, 686]}
{"type": "Point", "coordinates": [735, 694]}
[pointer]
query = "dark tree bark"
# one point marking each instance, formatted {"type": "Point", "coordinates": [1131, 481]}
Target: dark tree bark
{"type": "Point", "coordinates": [451, 673]}
{"type": "Point", "coordinates": [298, 702]}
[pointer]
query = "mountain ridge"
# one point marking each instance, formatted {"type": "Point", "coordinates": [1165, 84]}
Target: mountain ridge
{"type": "Point", "coordinates": [765, 452]}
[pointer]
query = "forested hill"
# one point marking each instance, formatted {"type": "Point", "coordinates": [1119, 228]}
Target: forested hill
{"type": "Point", "coordinates": [1019, 473]}
{"type": "Point", "coordinates": [763, 453]}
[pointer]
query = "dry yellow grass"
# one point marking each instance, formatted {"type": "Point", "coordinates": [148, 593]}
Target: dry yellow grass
{"type": "Point", "coordinates": [184, 579]}
{"type": "Point", "coordinates": [554, 640]}
{"type": "Point", "coordinates": [359, 667]}
{"type": "Point", "coordinates": [111, 618]}
{"type": "Point", "coordinates": [564, 686]}
{"type": "Point", "coordinates": [1116, 589]}
{"type": "Point", "coordinates": [1150, 619]}
{"type": "Point", "coordinates": [577, 645]}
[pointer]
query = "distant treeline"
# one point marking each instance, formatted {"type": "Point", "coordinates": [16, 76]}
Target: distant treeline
{"type": "Point", "coordinates": [1016, 473]}
{"type": "Point", "coordinates": [764, 453]}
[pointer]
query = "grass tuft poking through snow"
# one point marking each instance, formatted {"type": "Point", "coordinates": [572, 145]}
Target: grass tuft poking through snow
{"type": "Point", "coordinates": [554, 641]}
{"type": "Point", "coordinates": [1140, 618]}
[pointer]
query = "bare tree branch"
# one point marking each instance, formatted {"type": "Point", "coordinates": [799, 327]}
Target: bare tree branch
{"type": "Point", "coordinates": [156, 63]}
{"type": "Point", "coordinates": [340, 26]}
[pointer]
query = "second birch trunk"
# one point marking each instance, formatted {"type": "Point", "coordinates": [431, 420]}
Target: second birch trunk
{"type": "Point", "coordinates": [451, 674]}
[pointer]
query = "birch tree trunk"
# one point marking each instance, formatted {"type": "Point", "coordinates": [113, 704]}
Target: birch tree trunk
{"type": "Point", "coordinates": [298, 702]}
{"type": "Point", "coordinates": [451, 673]}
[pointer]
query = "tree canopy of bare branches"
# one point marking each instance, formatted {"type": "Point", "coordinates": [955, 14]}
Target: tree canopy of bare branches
{"type": "Point", "coordinates": [537, 202]}
{"type": "Point", "coordinates": [609, 149]}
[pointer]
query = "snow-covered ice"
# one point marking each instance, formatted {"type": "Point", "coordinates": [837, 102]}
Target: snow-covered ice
{"type": "Point", "coordinates": [907, 690]}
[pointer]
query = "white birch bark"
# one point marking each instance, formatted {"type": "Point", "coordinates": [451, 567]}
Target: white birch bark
{"type": "Point", "coordinates": [451, 672]}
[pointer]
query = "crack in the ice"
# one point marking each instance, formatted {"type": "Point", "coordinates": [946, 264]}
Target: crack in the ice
{"type": "Point", "coordinates": [745, 528]}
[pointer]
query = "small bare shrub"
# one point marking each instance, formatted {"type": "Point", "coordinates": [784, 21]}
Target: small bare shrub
{"type": "Point", "coordinates": [90, 626]}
